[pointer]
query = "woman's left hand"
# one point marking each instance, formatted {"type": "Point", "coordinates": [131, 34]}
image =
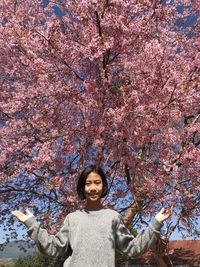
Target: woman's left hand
{"type": "Point", "coordinates": [164, 214]}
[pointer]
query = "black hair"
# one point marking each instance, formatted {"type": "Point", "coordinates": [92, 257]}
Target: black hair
{"type": "Point", "coordinates": [82, 178]}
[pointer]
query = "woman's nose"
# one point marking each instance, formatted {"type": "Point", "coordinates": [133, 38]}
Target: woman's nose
{"type": "Point", "coordinates": [93, 187]}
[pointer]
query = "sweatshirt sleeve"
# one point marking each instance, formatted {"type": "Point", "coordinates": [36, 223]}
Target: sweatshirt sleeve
{"type": "Point", "coordinates": [134, 246]}
{"type": "Point", "coordinates": [51, 245]}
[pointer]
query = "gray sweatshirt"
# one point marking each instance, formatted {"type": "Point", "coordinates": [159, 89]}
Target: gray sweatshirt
{"type": "Point", "coordinates": [89, 238]}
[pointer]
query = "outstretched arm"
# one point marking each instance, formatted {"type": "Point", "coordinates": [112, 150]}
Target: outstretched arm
{"type": "Point", "coordinates": [134, 246]}
{"type": "Point", "coordinates": [52, 245]}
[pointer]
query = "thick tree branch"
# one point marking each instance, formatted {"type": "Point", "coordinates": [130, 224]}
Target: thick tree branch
{"type": "Point", "coordinates": [10, 189]}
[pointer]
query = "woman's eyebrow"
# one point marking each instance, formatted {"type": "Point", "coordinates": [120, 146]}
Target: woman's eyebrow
{"type": "Point", "coordinates": [89, 181]}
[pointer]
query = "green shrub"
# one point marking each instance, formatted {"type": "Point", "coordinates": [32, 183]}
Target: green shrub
{"type": "Point", "coordinates": [38, 260]}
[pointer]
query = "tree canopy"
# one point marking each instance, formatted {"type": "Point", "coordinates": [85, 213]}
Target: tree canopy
{"type": "Point", "coordinates": [110, 82]}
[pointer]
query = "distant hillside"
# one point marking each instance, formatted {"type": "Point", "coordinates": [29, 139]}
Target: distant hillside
{"type": "Point", "coordinates": [16, 249]}
{"type": "Point", "coordinates": [7, 262]}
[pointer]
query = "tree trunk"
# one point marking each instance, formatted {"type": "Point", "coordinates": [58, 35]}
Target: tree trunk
{"type": "Point", "coordinates": [159, 249]}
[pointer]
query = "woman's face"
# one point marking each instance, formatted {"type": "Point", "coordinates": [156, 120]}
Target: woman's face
{"type": "Point", "coordinates": [93, 187]}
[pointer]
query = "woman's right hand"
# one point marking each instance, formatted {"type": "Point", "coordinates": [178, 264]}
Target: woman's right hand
{"type": "Point", "coordinates": [21, 216]}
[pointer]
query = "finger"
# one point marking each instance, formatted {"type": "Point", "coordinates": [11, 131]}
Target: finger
{"type": "Point", "coordinates": [172, 207]}
{"type": "Point", "coordinates": [28, 212]}
{"type": "Point", "coordinates": [17, 213]}
{"type": "Point", "coordinates": [168, 211]}
{"type": "Point", "coordinates": [162, 210]}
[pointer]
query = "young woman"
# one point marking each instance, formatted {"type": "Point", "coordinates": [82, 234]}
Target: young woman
{"type": "Point", "coordinates": [89, 236]}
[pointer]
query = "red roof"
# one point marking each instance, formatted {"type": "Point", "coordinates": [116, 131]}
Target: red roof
{"type": "Point", "coordinates": [185, 251]}
{"type": "Point", "coordinates": [181, 252]}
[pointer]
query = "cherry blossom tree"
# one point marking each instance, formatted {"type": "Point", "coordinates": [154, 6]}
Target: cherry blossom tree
{"type": "Point", "coordinates": [109, 82]}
